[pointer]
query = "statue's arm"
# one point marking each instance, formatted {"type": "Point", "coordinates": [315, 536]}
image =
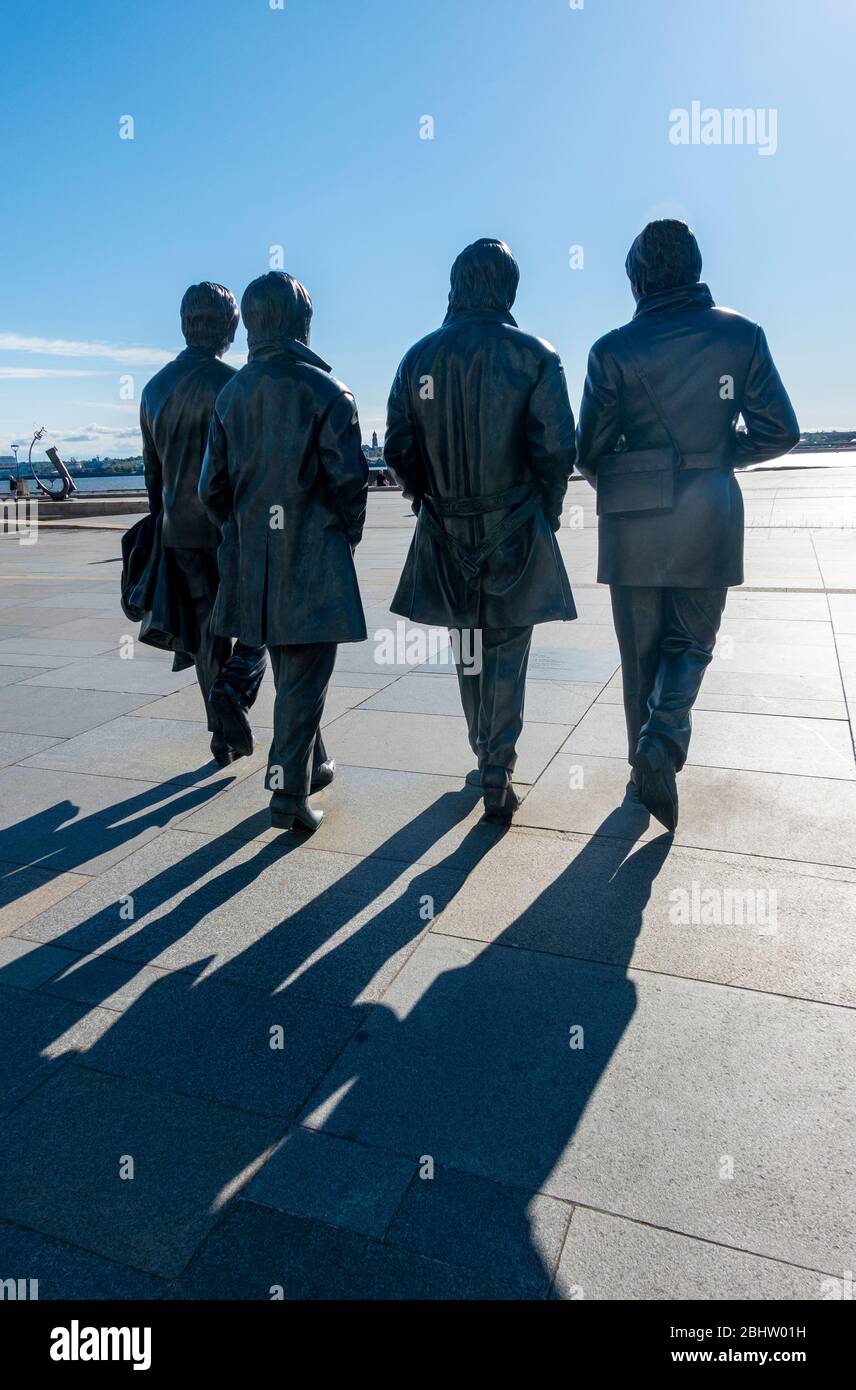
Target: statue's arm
{"type": "Point", "coordinates": [215, 489]}
{"type": "Point", "coordinates": [771, 424]}
{"type": "Point", "coordinates": [152, 467]}
{"type": "Point", "coordinates": [599, 426]}
{"type": "Point", "coordinates": [344, 471]}
{"type": "Point", "coordinates": [550, 434]}
{"type": "Point", "coordinates": [400, 450]}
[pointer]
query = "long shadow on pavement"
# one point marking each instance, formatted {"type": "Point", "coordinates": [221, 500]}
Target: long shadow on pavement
{"type": "Point", "coordinates": [143, 1147]}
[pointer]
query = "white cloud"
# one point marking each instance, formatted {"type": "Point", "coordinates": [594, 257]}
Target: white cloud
{"type": "Point", "coordinates": [90, 434]}
{"type": "Point", "coordinates": [37, 373]}
{"type": "Point", "coordinates": [64, 347]}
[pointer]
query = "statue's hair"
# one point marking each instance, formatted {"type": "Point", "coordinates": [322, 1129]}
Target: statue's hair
{"type": "Point", "coordinates": [276, 305]}
{"type": "Point", "coordinates": [209, 316]}
{"type": "Point", "coordinates": [484, 276]}
{"type": "Point", "coordinates": [664, 255]}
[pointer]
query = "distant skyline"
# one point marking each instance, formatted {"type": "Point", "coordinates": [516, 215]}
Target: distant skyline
{"type": "Point", "coordinates": [561, 127]}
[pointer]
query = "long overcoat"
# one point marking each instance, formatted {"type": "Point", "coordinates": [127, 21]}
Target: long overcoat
{"type": "Point", "coordinates": [480, 433]}
{"type": "Point", "coordinates": [285, 479]}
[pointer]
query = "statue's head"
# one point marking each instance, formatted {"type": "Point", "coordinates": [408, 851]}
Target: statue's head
{"type": "Point", "coordinates": [664, 256]}
{"type": "Point", "coordinates": [485, 276]}
{"type": "Point", "coordinates": [209, 317]}
{"type": "Point", "coordinates": [276, 306]}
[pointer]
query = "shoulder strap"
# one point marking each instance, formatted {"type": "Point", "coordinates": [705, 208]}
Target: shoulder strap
{"type": "Point", "coordinates": [649, 390]}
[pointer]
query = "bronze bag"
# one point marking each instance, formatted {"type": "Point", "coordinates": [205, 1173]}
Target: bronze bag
{"type": "Point", "coordinates": [639, 480]}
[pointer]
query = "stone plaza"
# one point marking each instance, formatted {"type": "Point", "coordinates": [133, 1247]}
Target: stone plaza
{"type": "Point", "coordinates": [418, 1054]}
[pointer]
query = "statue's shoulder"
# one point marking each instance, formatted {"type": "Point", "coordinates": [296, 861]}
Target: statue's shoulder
{"type": "Point", "coordinates": [425, 344]}
{"type": "Point", "coordinates": [538, 347]}
{"type": "Point", "coordinates": [612, 345]}
{"type": "Point", "coordinates": [731, 322]}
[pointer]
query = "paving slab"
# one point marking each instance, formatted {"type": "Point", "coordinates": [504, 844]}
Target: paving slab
{"type": "Point", "coordinates": [67, 1144]}
{"type": "Point", "coordinates": [30, 619]}
{"type": "Point", "coordinates": [751, 743]}
{"type": "Point", "coordinates": [402, 743]}
{"type": "Point", "coordinates": [606, 1257]}
{"type": "Point", "coordinates": [753, 923]}
{"type": "Point", "coordinates": [11, 661]}
{"type": "Point", "coordinates": [37, 1036]}
{"type": "Point", "coordinates": [332, 1180]}
{"type": "Point", "coordinates": [738, 703]}
{"type": "Point", "coordinates": [169, 750]}
{"type": "Point", "coordinates": [415, 818]}
{"type": "Point", "coordinates": [842, 608]}
{"type": "Point", "coordinates": [33, 710]}
{"type": "Point", "coordinates": [805, 687]}
{"type": "Point", "coordinates": [547, 702]}
{"type": "Point", "coordinates": [325, 926]}
{"type": "Point", "coordinates": [760, 604]}
{"type": "Point", "coordinates": [809, 819]}
{"type": "Point", "coordinates": [114, 672]}
{"type": "Point", "coordinates": [187, 704]}
{"type": "Point", "coordinates": [742, 629]}
{"type": "Point", "coordinates": [63, 1272]}
{"type": "Point", "coordinates": [478, 1224]}
{"type": "Point", "coordinates": [26, 965]}
{"type": "Point", "coordinates": [26, 890]}
{"type": "Point", "coordinates": [221, 1042]}
{"type": "Point", "coordinates": [576, 666]}
{"type": "Point", "coordinates": [836, 557]}
{"type": "Point", "coordinates": [59, 821]}
{"type": "Point", "coordinates": [781, 559]}
{"type": "Point", "coordinates": [707, 1110]}
{"type": "Point", "coordinates": [96, 598]}
{"type": "Point", "coordinates": [52, 646]}
{"type": "Point", "coordinates": [256, 1253]}
{"type": "Point", "coordinates": [11, 675]}
{"type": "Point", "coordinates": [14, 748]}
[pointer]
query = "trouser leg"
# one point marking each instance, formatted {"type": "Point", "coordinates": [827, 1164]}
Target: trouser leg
{"type": "Point", "coordinates": [469, 684]}
{"type": "Point", "coordinates": [638, 617]}
{"type": "Point", "coordinates": [199, 568]}
{"type": "Point", "coordinates": [691, 619]}
{"type": "Point", "coordinates": [301, 675]}
{"type": "Point", "coordinates": [498, 719]}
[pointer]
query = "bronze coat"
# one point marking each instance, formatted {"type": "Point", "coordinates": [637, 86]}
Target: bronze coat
{"type": "Point", "coordinates": [706, 365]}
{"type": "Point", "coordinates": [175, 413]}
{"type": "Point", "coordinates": [285, 478]}
{"type": "Point", "coordinates": [476, 408]}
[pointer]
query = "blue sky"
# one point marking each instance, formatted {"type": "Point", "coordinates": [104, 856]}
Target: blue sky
{"type": "Point", "coordinates": [300, 127]}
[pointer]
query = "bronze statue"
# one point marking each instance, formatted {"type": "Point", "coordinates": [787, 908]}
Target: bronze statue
{"type": "Point", "coordinates": [286, 479]}
{"type": "Point", "coordinates": [481, 435]}
{"type": "Point", "coordinates": [175, 413]}
{"type": "Point", "coordinates": [657, 437]}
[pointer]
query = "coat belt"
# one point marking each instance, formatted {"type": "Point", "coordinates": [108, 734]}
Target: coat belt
{"type": "Point", "coordinates": [472, 558]}
{"type": "Point", "coordinates": [479, 506]}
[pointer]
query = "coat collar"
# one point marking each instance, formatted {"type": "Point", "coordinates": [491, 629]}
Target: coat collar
{"type": "Point", "coordinates": [696, 296]}
{"type": "Point", "coordinates": [197, 354]}
{"type": "Point", "coordinates": [458, 315]}
{"type": "Point", "coordinates": [280, 349]}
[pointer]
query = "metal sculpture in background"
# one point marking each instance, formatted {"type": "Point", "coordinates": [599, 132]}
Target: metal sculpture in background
{"type": "Point", "coordinates": [20, 486]}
